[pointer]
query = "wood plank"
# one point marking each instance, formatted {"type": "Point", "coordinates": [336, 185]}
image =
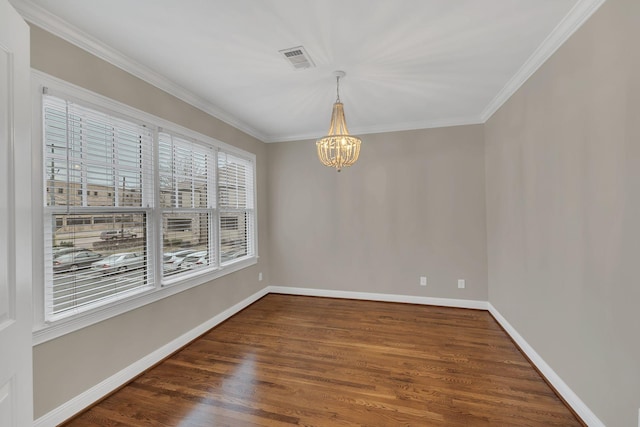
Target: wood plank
{"type": "Point", "coordinates": [309, 361]}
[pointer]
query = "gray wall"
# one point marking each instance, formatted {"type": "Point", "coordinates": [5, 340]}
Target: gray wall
{"type": "Point", "coordinates": [413, 205]}
{"type": "Point", "coordinates": [563, 212]}
{"type": "Point", "coordinates": [69, 365]}
{"type": "Point", "coordinates": [562, 209]}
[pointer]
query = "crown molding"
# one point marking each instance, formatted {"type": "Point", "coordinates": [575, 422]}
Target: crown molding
{"type": "Point", "coordinates": [33, 13]}
{"type": "Point", "coordinates": [577, 16]}
{"type": "Point", "coordinates": [60, 28]}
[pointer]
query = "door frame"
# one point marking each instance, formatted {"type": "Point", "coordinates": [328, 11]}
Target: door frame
{"type": "Point", "coordinates": [16, 224]}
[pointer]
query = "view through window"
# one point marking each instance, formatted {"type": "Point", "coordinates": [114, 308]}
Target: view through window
{"type": "Point", "coordinates": [120, 217]}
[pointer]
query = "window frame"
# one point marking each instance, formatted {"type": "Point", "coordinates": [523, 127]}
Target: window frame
{"type": "Point", "coordinates": [161, 288]}
{"type": "Point", "coordinates": [211, 209]}
{"type": "Point", "coordinates": [92, 127]}
{"type": "Point", "coordinates": [226, 209]}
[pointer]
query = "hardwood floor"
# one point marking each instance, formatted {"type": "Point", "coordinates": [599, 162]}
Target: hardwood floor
{"type": "Point", "coordinates": [293, 360]}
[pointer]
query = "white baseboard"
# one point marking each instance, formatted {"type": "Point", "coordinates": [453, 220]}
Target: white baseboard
{"type": "Point", "coordinates": [445, 302]}
{"type": "Point", "coordinates": [97, 392]}
{"type": "Point", "coordinates": [561, 387]}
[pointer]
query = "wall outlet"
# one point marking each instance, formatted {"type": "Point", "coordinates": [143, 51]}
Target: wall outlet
{"type": "Point", "coordinates": [423, 280]}
{"type": "Point", "coordinates": [260, 277]}
{"type": "Point", "coordinates": [461, 284]}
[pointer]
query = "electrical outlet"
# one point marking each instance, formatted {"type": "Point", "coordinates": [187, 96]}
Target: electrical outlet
{"type": "Point", "coordinates": [260, 277]}
{"type": "Point", "coordinates": [461, 284]}
{"type": "Point", "coordinates": [423, 280]}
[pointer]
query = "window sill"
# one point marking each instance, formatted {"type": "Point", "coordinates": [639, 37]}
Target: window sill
{"type": "Point", "coordinates": [48, 331]}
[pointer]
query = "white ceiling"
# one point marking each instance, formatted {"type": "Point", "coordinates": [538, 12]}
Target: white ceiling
{"type": "Point", "coordinates": [410, 64]}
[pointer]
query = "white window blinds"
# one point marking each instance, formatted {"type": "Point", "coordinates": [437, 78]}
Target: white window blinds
{"type": "Point", "coordinates": [187, 200]}
{"type": "Point", "coordinates": [98, 174]}
{"type": "Point", "coordinates": [236, 207]}
{"type": "Point", "coordinates": [89, 152]}
{"type": "Point", "coordinates": [128, 203]}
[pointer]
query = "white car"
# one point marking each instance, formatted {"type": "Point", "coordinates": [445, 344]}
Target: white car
{"type": "Point", "coordinates": [228, 255]}
{"type": "Point", "coordinates": [171, 261]}
{"type": "Point", "coordinates": [119, 262]}
{"type": "Point", "coordinates": [195, 260]}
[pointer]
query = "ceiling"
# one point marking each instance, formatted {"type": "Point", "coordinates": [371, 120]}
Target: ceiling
{"type": "Point", "coordinates": [409, 64]}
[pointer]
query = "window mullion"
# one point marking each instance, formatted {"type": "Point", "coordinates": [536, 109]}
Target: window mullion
{"type": "Point", "coordinates": [118, 198]}
{"type": "Point", "coordinates": [214, 203]}
{"type": "Point", "coordinates": [131, 178]}
{"type": "Point", "coordinates": [192, 180]}
{"type": "Point", "coordinates": [67, 187]}
{"type": "Point", "coordinates": [157, 211]}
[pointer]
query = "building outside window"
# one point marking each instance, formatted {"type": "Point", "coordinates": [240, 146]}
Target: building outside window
{"type": "Point", "coordinates": [105, 189]}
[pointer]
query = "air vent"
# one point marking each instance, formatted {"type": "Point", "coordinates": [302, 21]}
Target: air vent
{"type": "Point", "coordinates": [298, 57]}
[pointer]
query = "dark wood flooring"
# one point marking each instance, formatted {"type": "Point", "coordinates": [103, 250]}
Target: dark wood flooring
{"type": "Point", "coordinates": [307, 361]}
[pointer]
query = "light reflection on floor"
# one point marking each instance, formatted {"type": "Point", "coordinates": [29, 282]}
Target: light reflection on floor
{"type": "Point", "coordinates": [201, 414]}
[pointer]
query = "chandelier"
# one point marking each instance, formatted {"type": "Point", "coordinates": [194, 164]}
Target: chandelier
{"type": "Point", "coordinates": [338, 149]}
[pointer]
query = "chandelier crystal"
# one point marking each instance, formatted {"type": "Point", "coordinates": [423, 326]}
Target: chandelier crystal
{"type": "Point", "coordinates": [338, 149]}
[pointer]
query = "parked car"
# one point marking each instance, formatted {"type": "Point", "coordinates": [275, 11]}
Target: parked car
{"type": "Point", "coordinates": [195, 260]}
{"type": "Point", "coordinates": [73, 261]}
{"type": "Point", "coordinates": [117, 234]}
{"type": "Point", "coordinates": [172, 261]}
{"type": "Point", "coordinates": [231, 254]}
{"type": "Point", "coordinates": [119, 262]}
{"type": "Point", "coordinates": [61, 250]}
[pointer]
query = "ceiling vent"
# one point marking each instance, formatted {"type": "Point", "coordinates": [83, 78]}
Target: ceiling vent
{"type": "Point", "coordinates": [298, 57]}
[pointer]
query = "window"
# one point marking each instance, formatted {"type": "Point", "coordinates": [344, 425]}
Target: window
{"type": "Point", "coordinates": [187, 200]}
{"type": "Point", "coordinates": [236, 204]}
{"type": "Point", "coordinates": [135, 208]}
{"type": "Point", "coordinates": [86, 148]}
